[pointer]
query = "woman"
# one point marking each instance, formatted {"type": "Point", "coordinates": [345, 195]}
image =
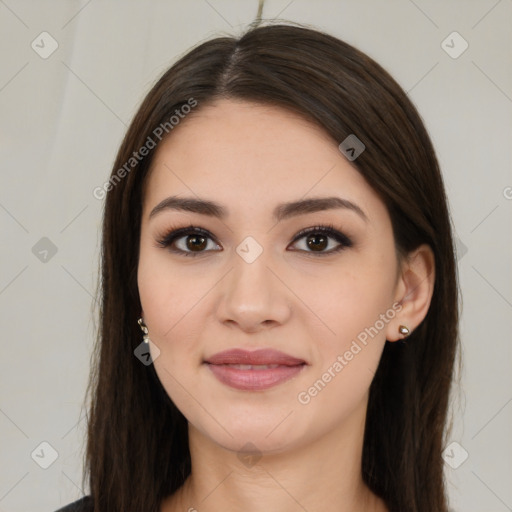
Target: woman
{"type": "Point", "coordinates": [276, 237]}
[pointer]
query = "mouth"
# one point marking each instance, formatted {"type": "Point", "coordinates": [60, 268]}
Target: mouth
{"type": "Point", "coordinates": [261, 357]}
{"type": "Point", "coordinates": [254, 370]}
{"type": "Point", "coordinates": [252, 366]}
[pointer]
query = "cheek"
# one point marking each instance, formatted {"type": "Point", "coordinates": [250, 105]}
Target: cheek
{"type": "Point", "coordinates": [172, 298]}
{"type": "Point", "coordinates": [354, 296]}
{"type": "Point", "coordinates": [355, 306]}
{"type": "Point", "coordinates": [168, 293]}
{"type": "Point", "coordinates": [169, 299]}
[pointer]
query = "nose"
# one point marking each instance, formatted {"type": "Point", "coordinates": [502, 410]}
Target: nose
{"type": "Point", "coordinates": [253, 296]}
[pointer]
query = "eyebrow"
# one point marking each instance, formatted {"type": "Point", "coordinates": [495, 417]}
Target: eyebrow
{"type": "Point", "coordinates": [281, 212]}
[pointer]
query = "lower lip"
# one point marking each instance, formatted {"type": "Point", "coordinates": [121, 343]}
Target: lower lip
{"type": "Point", "coordinates": [254, 380]}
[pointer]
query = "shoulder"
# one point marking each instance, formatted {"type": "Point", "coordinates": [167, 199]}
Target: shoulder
{"type": "Point", "coordinates": [82, 505]}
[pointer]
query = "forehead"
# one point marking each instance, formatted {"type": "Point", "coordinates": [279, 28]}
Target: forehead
{"type": "Point", "coordinates": [248, 154]}
{"type": "Point", "coordinates": [246, 129]}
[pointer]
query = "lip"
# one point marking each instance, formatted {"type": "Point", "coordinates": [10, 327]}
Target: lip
{"type": "Point", "coordinates": [224, 366]}
{"type": "Point", "coordinates": [255, 357]}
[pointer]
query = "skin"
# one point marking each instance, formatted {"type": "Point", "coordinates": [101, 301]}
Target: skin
{"type": "Point", "coordinates": [249, 158]}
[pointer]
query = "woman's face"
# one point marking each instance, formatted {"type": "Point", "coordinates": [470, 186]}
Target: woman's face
{"type": "Point", "coordinates": [248, 282]}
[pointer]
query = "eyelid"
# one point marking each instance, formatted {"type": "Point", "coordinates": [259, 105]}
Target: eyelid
{"type": "Point", "coordinates": [327, 229]}
{"type": "Point", "coordinates": [173, 234]}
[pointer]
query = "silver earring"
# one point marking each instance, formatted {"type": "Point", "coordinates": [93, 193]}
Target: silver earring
{"type": "Point", "coordinates": [404, 330]}
{"type": "Point", "coordinates": [144, 329]}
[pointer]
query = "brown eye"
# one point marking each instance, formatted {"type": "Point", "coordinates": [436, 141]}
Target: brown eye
{"type": "Point", "coordinates": [317, 240]}
{"type": "Point", "coordinates": [191, 241]}
{"type": "Point", "coordinates": [196, 242]}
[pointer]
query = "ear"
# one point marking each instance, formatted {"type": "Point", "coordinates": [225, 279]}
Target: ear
{"type": "Point", "coordinates": [414, 291]}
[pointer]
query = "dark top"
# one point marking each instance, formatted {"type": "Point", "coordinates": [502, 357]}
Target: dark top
{"type": "Point", "coordinates": [82, 505]}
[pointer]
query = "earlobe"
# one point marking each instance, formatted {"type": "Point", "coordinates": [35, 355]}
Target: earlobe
{"type": "Point", "coordinates": [414, 292]}
{"type": "Point", "coordinates": [404, 331]}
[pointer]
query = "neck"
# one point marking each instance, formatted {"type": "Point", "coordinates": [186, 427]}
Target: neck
{"type": "Point", "coordinates": [324, 475]}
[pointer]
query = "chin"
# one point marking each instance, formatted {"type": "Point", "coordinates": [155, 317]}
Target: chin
{"type": "Point", "coordinates": [266, 435]}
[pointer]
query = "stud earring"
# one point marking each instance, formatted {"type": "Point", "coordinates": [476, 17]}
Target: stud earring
{"type": "Point", "coordinates": [144, 329]}
{"type": "Point", "coordinates": [404, 330]}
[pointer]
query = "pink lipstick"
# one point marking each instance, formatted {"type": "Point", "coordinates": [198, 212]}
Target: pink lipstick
{"type": "Point", "coordinates": [254, 370]}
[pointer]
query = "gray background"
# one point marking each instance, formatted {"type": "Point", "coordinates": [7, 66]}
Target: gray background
{"type": "Point", "coordinates": [62, 119]}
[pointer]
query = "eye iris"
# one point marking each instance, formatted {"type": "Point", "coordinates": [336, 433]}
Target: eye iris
{"type": "Point", "coordinates": [193, 245]}
{"type": "Point", "coordinates": [319, 241]}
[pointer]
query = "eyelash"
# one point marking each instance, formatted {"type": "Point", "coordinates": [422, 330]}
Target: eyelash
{"type": "Point", "coordinates": [325, 229]}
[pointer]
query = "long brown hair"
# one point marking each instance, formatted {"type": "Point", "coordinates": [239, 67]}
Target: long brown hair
{"type": "Point", "coordinates": [137, 447]}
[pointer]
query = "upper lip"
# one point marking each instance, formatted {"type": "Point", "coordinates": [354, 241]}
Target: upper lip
{"type": "Point", "coordinates": [255, 357]}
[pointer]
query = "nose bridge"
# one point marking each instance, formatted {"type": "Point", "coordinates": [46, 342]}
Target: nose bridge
{"type": "Point", "coordinates": [251, 279]}
{"type": "Point", "coordinates": [251, 294]}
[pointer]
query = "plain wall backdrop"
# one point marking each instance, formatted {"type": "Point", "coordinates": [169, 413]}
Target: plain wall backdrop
{"type": "Point", "coordinates": [72, 75]}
